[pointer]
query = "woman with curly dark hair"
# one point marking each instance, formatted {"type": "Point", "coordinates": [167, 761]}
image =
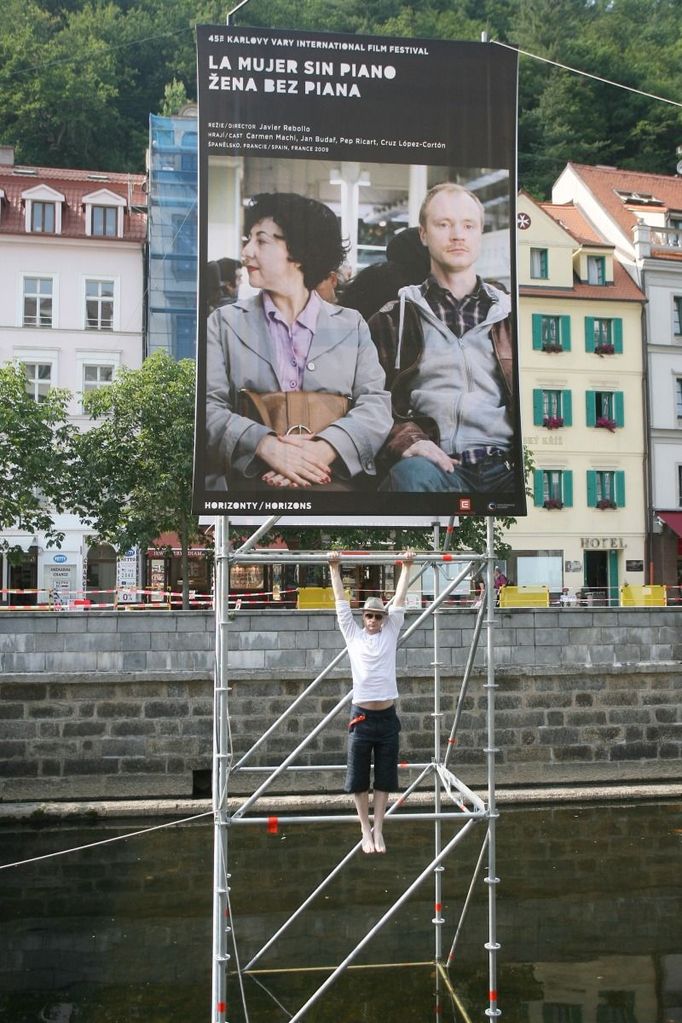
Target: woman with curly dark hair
{"type": "Point", "coordinates": [295, 393]}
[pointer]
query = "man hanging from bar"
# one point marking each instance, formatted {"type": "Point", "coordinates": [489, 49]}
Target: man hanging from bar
{"type": "Point", "coordinates": [374, 726]}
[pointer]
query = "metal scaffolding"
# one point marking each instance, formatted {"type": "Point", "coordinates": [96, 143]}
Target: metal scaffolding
{"type": "Point", "coordinates": [462, 804]}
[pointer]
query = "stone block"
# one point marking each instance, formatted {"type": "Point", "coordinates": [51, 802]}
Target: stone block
{"type": "Point", "coordinates": [133, 661]}
{"type": "Point", "coordinates": [12, 748]}
{"type": "Point", "coordinates": [71, 728]}
{"type": "Point", "coordinates": [19, 769]}
{"type": "Point", "coordinates": [629, 716]}
{"type": "Point", "coordinates": [108, 661]}
{"type": "Point", "coordinates": [548, 736]}
{"type": "Point", "coordinates": [72, 661]}
{"type": "Point", "coordinates": [123, 747]}
{"type": "Point", "coordinates": [102, 621]}
{"type": "Point", "coordinates": [118, 709]}
{"type": "Point", "coordinates": [70, 623]}
{"type": "Point", "coordinates": [10, 663]}
{"type": "Point", "coordinates": [23, 691]}
{"type": "Point", "coordinates": [91, 765]}
{"type": "Point", "coordinates": [634, 751]}
{"type": "Point", "coordinates": [11, 710]}
{"type": "Point", "coordinates": [136, 727]}
{"type": "Point", "coordinates": [161, 621]}
{"type": "Point", "coordinates": [242, 659]}
{"type": "Point", "coordinates": [567, 754]}
{"type": "Point", "coordinates": [50, 710]}
{"type": "Point", "coordinates": [166, 709]}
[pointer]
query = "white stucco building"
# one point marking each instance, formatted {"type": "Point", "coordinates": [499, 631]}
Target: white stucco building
{"type": "Point", "coordinates": [581, 369]}
{"type": "Point", "coordinates": [641, 215]}
{"type": "Point", "coordinates": [71, 312]}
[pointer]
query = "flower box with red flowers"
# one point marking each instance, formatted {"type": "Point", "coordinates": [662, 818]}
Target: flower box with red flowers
{"type": "Point", "coordinates": [552, 346]}
{"type": "Point", "coordinates": [604, 423]}
{"type": "Point", "coordinates": [552, 422]}
{"type": "Point", "coordinates": [606, 502]}
{"type": "Point", "coordinates": [553, 502]}
{"type": "Point", "coordinates": [605, 348]}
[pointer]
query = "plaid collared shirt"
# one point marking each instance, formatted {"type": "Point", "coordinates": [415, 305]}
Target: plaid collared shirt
{"type": "Point", "coordinates": [458, 315]}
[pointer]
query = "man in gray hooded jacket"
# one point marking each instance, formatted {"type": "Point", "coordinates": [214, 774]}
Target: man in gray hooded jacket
{"type": "Point", "coordinates": [447, 351]}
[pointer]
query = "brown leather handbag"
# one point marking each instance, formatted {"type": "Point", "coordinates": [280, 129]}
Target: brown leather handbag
{"type": "Point", "coordinates": [287, 412]}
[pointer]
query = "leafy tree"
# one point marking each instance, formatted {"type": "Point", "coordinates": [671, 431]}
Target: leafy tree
{"type": "Point", "coordinates": [174, 98]}
{"type": "Point", "coordinates": [34, 457]}
{"type": "Point", "coordinates": [132, 477]}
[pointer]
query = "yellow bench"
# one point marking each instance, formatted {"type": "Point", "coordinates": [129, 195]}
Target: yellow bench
{"type": "Point", "coordinates": [315, 598]}
{"type": "Point", "coordinates": [524, 596]}
{"type": "Point", "coordinates": [643, 596]}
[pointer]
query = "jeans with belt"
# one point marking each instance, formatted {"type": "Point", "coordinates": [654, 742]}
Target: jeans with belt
{"type": "Point", "coordinates": [492, 475]}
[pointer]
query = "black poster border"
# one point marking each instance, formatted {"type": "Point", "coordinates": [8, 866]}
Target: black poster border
{"type": "Point", "coordinates": [409, 100]}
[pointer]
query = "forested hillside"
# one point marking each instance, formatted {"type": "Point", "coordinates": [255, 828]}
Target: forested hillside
{"type": "Point", "coordinates": [79, 78]}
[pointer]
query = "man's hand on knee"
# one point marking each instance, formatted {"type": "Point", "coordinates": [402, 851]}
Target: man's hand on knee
{"type": "Point", "coordinates": [427, 449]}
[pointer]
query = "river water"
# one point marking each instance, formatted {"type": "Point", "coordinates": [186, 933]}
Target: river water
{"type": "Point", "coordinates": [589, 921]}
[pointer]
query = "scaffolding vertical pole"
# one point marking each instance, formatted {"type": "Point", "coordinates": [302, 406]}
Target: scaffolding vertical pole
{"type": "Point", "coordinates": [438, 869]}
{"type": "Point", "coordinates": [220, 777]}
{"type": "Point", "coordinates": [491, 880]}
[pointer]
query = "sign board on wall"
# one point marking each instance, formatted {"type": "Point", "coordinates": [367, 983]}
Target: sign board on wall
{"type": "Point", "coordinates": [308, 142]}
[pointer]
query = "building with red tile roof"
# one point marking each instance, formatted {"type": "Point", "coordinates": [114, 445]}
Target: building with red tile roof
{"type": "Point", "coordinates": [640, 215]}
{"type": "Point", "coordinates": [71, 313]}
{"type": "Point", "coordinates": [580, 355]}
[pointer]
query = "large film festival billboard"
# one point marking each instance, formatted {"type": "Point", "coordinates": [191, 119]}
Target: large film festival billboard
{"type": "Point", "coordinates": [357, 341]}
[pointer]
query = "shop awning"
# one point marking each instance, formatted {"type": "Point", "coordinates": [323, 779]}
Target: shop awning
{"type": "Point", "coordinates": [21, 540]}
{"type": "Point", "coordinates": [673, 519]}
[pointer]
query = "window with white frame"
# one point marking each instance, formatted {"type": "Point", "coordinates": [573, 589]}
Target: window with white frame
{"type": "Point", "coordinates": [99, 305]}
{"type": "Point", "coordinates": [43, 217]}
{"type": "Point", "coordinates": [539, 269]}
{"type": "Point", "coordinates": [677, 315]}
{"type": "Point", "coordinates": [96, 370]}
{"type": "Point", "coordinates": [96, 376]}
{"type": "Point", "coordinates": [38, 379]}
{"type": "Point", "coordinates": [104, 213]}
{"type": "Point", "coordinates": [38, 302]}
{"type": "Point", "coordinates": [104, 221]}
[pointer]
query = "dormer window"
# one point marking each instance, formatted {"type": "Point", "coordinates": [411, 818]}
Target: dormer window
{"type": "Point", "coordinates": [104, 221]}
{"type": "Point", "coordinates": [42, 210]}
{"type": "Point", "coordinates": [104, 214]}
{"type": "Point", "coordinates": [43, 217]}
{"type": "Point", "coordinates": [596, 270]}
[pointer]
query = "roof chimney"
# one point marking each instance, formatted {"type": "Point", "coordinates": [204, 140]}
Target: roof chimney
{"type": "Point", "coordinates": [6, 156]}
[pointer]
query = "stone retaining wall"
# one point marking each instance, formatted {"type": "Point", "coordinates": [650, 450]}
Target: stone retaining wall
{"type": "Point", "coordinates": [107, 704]}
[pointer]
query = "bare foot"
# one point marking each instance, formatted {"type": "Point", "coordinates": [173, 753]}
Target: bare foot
{"type": "Point", "coordinates": [379, 844]}
{"type": "Point", "coordinates": [367, 842]}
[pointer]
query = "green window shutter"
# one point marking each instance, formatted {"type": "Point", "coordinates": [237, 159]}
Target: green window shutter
{"type": "Point", "coordinates": [537, 332]}
{"type": "Point", "coordinates": [567, 488]}
{"type": "Point", "coordinates": [589, 333]}
{"type": "Point", "coordinates": [620, 488]}
{"type": "Point", "coordinates": [565, 328]}
{"type": "Point", "coordinates": [619, 408]}
{"type": "Point", "coordinates": [538, 412]}
{"type": "Point", "coordinates": [591, 408]}
{"type": "Point", "coordinates": [591, 488]}
{"type": "Point", "coordinates": [567, 408]}
{"type": "Point", "coordinates": [617, 338]}
{"type": "Point", "coordinates": [538, 489]}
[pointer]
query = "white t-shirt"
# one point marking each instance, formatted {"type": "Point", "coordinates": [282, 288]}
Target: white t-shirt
{"type": "Point", "coordinates": [372, 657]}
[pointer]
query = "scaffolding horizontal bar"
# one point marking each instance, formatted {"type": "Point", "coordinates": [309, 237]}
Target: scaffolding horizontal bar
{"type": "Point", "coordinates": [328, 969]}
{"type": "Point", "coordinates": [282, 557]}
{"type": "Point", "coordinates": [322, 767]}
{"type": "Point", "coordinates": [353, 819]}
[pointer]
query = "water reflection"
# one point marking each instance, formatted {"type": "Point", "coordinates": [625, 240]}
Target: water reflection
{"type": "Point", "coordinates": [588, 917]}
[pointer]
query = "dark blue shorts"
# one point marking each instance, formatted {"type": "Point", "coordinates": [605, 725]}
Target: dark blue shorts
{"type": "Point", "coordinates": [377, 735]}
